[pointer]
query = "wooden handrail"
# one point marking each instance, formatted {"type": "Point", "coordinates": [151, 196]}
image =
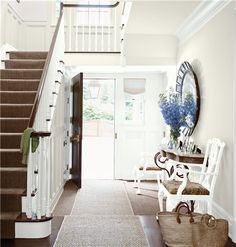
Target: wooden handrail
{"type": "Point", "coordinates": [44, 74]}
{"type": "Point", "coordinates": [90, 5]}
{"type": "Point", "coordinates": [40, 134]}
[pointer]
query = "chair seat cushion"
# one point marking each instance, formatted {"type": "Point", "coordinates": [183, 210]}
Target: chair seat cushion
{"type": "Point", "coordinates": [150, 168]}
{"type": "Point", "coordinates": [191, 188]}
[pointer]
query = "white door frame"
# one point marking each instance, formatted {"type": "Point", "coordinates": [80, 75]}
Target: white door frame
{"type": "Point", "coordinates": [234, 134]}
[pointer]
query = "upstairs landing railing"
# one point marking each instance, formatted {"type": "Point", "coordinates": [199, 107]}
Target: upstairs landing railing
{"type": "Point", "coordinates": [92, 28]}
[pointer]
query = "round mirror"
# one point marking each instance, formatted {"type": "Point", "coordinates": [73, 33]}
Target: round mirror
{"type": "Point", "coordinates": [187, 87]}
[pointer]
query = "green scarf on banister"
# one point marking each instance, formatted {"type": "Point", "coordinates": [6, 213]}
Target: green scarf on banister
{"type": "Point", "coordinates": [25, 144]}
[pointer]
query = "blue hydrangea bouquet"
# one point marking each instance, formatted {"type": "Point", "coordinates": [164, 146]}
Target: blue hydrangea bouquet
{"type": "Point", "coordinates": [176, 113]}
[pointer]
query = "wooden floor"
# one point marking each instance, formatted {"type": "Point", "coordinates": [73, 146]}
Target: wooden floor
{"type": "Point", "coordinates": [64, 206]}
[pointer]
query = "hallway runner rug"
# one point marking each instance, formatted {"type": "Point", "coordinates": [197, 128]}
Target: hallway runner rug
{"type": "Point", "coordinates": [102, 197]}
{"type": "Point", "coordinates": [102, 216]}
{"type": "Point", "coordinates": [101, 231]}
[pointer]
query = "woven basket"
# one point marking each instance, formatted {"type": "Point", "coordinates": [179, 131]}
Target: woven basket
{"type": "Point", "coordinates": [210, 232]}
{"type": "Point", "coordinates": [176, 227]}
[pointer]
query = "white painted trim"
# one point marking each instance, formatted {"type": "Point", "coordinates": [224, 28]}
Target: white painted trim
{"type": "Point", "coordinates": [18, 15]}
{"type": "Point", "coordinates": [219, 212]}
{"type": "Point", "coordinates": [32, 229]}
{"type": "Point", "coordinates": [3, 51]}
{"type": "Point", "coordinates": [234, 131]}
{"type": "Point", "coordinates": [10, 8]}
{"type": "Point", "coordinates": [23, 204]}
{"type": "Point", "coordinates": [203, 13]}
{"type": "Point", "coordinates": [57, 196]}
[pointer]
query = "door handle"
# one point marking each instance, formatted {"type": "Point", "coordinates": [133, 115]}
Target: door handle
{"type": "Point", "coordinates": [75, 138]}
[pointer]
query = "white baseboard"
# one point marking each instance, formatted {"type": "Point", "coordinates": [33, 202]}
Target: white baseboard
{"type": "Point", "coordinates": [32, 229]}
{"type": "Point", "coordinates": [57, 196]}
{"type": "Point", "coordinates": [219, 212]}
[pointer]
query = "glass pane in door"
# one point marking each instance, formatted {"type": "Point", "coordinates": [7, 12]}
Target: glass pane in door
{"type": "Point", "coordinates": [98, 129]}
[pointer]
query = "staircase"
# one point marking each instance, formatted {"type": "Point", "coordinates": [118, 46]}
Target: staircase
{"type": "Point", "coordinates": [18, 87]}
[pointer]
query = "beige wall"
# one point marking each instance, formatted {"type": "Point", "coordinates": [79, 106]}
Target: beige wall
{"type": "Point", "coordinates": [210, 51]}
{"type": "Point", "coordinates": [141, 49]}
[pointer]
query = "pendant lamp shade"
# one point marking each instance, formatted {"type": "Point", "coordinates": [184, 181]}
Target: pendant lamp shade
{"type": "Point", "coordinates": [134, 85]}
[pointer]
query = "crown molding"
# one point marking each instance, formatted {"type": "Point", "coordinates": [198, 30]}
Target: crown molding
{"type": "Point", "coordinates": [203, 13]}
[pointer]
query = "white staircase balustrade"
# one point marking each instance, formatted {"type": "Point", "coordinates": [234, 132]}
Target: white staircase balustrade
{"type": "Point", "coordinates": [46, 166]}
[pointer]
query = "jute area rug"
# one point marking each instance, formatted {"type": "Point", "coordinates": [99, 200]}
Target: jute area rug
{"type": "Point", "coordinates": [101, 217]}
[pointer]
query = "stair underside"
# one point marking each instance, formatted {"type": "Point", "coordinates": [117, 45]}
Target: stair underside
{"type": "Point", "coordinates": [18, 87]}
{"type": "Point", "coordinates": [27, 55]}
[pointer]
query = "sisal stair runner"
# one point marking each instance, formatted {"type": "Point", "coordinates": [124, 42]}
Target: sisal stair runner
{"type": "Point", "coordinates": [18, 87]}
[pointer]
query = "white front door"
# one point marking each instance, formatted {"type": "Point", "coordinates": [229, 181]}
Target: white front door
{"type": "Point", "coordinates": [138, 121]}
{"type": "Point", "coordinates": [138, 125]}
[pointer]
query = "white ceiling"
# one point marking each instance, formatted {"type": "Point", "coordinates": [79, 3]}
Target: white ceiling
{"type": "Point", "coordinates": [159, 17]}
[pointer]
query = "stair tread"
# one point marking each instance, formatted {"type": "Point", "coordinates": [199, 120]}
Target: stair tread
{"type": "Point", "coordinates": [9, 150]}
{"type": "Point", "coordinates": [7, 104]}
{"type": "Point", "coordinates": [27, 52]}
{"type": "Point", "coordinates": [18, 86]}
{"type": "Point", "coordinates": [9, 215]}
{"type": "Point", "coordinates": [24, 60]}
{"type": "Point", "coordinates": [18, 92]}
{"type": "Point", "coordinates": [14, 118]}
{"type": "Point", "coordinates": [21, 73]}
{"type": "Point", "coordinates": [12, 191]}
{"type": "Point", "coordinates": [44, 52]}
{"type": "Point", "coordinates": [19, 80]}
{"type": "Point", "coordinates": [10, 134]}
{"type": "Point", "coordinates": [13, 169]}
{"type": "Point", "coordinates": [20, 70]}
{"type": "Point", "coordinates": [23, 218]}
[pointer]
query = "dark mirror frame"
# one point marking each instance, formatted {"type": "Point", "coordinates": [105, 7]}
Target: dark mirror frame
{"type": "Point", "coordinates": [184, 69]}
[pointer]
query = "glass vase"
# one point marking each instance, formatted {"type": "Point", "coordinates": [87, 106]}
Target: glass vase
{"type": "Point", "coordinates": [174, 134]}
